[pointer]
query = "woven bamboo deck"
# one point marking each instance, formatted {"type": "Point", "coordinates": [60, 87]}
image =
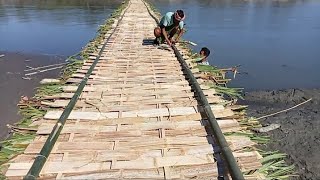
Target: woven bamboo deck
{"type": "Point", "coordinates": [136, 118]}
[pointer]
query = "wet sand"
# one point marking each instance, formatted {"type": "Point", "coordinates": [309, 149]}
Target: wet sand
{"type": "Point", "coordinates": [12, 86]}
{"type": "Point", "coordinates": [299, 134]}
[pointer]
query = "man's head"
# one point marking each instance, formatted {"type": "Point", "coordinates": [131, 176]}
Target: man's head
{"type": "Point", "coordinates": [178, 16]}
{"type": "Point", "coordinates": [205, 52]}
{"type": "Point", "coordinates": [157, 32]}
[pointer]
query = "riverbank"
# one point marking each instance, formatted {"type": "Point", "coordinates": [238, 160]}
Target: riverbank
{"type": "Point", "coordinates": [13, 86]}
{"type": "Point", "coordinates": [298, 135]}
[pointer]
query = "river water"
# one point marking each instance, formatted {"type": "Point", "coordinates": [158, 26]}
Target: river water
{"type": "Point", "coordinates": [277, 43]}
{"type": "Point", "coordinates": [51, 26]}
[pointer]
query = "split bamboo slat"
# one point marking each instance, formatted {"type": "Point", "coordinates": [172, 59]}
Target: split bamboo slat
{"type": "Point", "coordinates": [137, 117]}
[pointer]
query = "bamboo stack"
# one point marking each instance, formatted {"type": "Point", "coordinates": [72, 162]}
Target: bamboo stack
{"type": "Point", "coordinates": [137, 117]}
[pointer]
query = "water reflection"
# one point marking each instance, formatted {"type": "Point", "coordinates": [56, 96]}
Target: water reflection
{"type": "Point", "coordinates": [51, 26]}
{"type": "Point", "coordinates": [59, 10]}
{"type": "Point", "coordinates": [49, 4]}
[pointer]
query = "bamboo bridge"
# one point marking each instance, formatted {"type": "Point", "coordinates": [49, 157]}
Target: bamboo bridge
{"type": "Point", "coordinates": [137, 116]}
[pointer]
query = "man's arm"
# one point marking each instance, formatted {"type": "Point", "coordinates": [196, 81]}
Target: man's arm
{"type": "Point", "coordinates": [179, 35]}
{"type": "Point", "coordinates": [165, 22]}
{"type": "Point", "coordinates": [164, 32]}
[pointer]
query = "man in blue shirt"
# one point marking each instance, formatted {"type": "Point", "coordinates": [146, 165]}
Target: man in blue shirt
{"type": "Point", "coordinates": [169, 25]}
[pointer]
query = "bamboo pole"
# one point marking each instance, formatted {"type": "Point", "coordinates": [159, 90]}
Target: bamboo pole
{"type": "Point", "coordinates": [285, 110]}
{"type": "Point", "coordinates": [45, 70]}
{"type": "Point", "coordinates": [41, 67]}
{"type": "Point", "coordinates": [49, 81]}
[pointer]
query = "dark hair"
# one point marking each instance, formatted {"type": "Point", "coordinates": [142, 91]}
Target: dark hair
{"type": "Point", "coordinates": [180, 13]}
{"type": "Point", "coordinates": [206, 51]}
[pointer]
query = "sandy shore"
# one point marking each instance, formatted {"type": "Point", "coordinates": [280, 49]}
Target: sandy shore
{"type": "Point", "coordinates": [12, 86]}
{"type": "Point", "coordinates": [299, 134]}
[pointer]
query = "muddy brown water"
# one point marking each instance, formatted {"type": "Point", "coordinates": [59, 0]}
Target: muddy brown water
{"type": "Point", "coordinates": [12, 86]}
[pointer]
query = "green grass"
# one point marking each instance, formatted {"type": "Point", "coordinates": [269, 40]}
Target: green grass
{"type": "Point", "coordinates": [15, 145]}
{"type": "Point", "coordinates": [234, 93]}
{"type": "Point", "coordinates": [273, 164]}
{"type": "Point", "coordinates": [48, 90]}
{"type": "Point", "coordinates": [209, 69]}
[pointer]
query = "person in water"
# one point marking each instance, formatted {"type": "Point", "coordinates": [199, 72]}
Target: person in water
{"type": "Point", "coordinates": [170, 24]}
{"type": "Point", "coordinates": [203, 58]}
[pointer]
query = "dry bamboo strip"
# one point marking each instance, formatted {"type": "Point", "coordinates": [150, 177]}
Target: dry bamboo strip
{"type": "Point", "coordinates": [144, 163]}
{"type": "Point", "coordinates": [139, 143]}
{"type": "Point", "coordinates": [110, 91]}
{"type": "Point", "coordinates": [132, 87]}
{"type": "Point", "coordinates": [105, 72]}
{"type": "Point", "coordinates": [109, 99]}
{"type": "Point", "coordinates": [138, 61]}
{"type": "Point", "coordinates": [116, 66]}
{"type": "Point", "coordinates": [141, 86]}
{"type": "Point", "coordinates": [284, 110]}
{"type": "Point", "coordinates": [133, 153]}
{"type": "Point", "coordinates": [44, 70]}
{"type": "Point", "coordinates": [113, 104]}
{"type": "Point", "coordinates": [37, 68]}
{"type": "Point", "coordinates": [219, 110]}
{"type": "Point", "coordinates": [134, 78]}
{"type": "Point", "coordinates": [132, 120]}
{"type": "Point", "coordinates": [45, 128]}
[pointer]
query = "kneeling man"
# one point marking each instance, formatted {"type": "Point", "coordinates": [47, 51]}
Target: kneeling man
{"type": "Point", "coordinates": [170, 24]}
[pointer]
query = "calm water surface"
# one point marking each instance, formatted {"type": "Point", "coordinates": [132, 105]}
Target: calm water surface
{"type": "Point", "coordinates": [276, 43]}
{"type": "Point", "coordinates": [51, 26]}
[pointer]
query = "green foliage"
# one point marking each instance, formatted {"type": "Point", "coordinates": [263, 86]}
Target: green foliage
{"type": "Point", "coordinates": [273, 164]}
{"type": "Point", "coordinates": [31, 112]}
{"type": "Point", "coordinates": [206, 68]}
{"type": "Point", "coordinates": [72, 66]}
{"type": "Point", "coordinates": [250, 123]}
{"type": "Point", "coordinates": [48, 90]}
{"type": "Point", "coordinates": [15, 145]}
{"type": "Point", "coordinates": [2, 177]}
{"type": "Point", "coordinates": [235, 93]}
{"type": "Point", "coordinates": [275, 167]}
